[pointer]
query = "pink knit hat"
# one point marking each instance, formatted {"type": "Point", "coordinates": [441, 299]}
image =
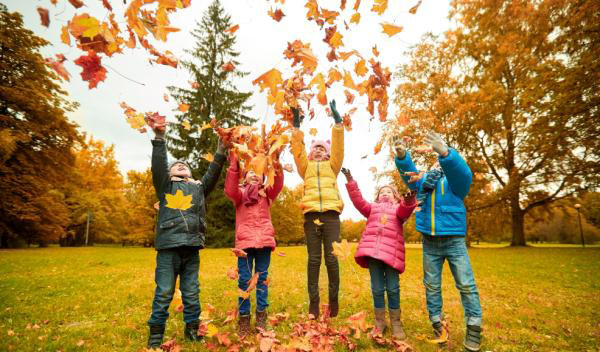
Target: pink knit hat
{"type": "Point", "coordinates": [320, 143]}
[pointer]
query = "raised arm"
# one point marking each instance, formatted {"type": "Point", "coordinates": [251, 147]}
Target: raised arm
{"type": "Point", "coordinates": [299, 151]}
{"type": "Point", "coordinates": [406, 165]}
{"type": "Point", "coordinates": [407, 205]}
{"type": "Point", "coordinates": [210, 178]}
{"type": "Point", "coordinates": [359, 202]}
{"type": "Point", "coordinates": [457, 172]}
{"type": "Point", "coordinates": [160, 167]}
{"type": "Point", "coordinates": [232, 189]}
{"type": "Point", "coordinates": [337, 148]}
{"type": "Point", "coordinates": [273, 191]}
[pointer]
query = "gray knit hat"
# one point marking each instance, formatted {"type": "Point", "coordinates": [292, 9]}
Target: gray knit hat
{"type": "Point", "coordinates": [179, 162]}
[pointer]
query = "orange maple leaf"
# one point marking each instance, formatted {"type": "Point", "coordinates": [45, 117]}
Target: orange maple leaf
{"type": "Point", "coordinates": [232, 29]}
{"type": "Point", "coordinates": [355, 18]}
{"type": "Point", "coordinates": [184, 107]}
{"type": "Point", "coordinates": [380, 6]}
{"type": "Point", "coordinates": [360, 68]}
{"type": "Point", "coordinates": [277, 15]}
{"type": "Point", "coordinates": [391, 29]}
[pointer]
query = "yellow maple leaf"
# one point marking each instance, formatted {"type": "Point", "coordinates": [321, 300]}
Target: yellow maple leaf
{"type": "Point", "coordinates": [91, 26]}
{"type": "Point", "coordinates": [355, 18]}
{"type": "Point", "coordinates": [360, 68]}
{"type": "Point", "coordinates": [186, 124]}
{"type": "Point", "coordinates": [348, 82]}
{"type": "Point", "coordinates": [336, 40]}
{"type": "Point", "coordinates": [179, 200]}
{"type": "Point", "coordinates": [269, 79]}
{"type": "Point", "coordinates": [384, 219]}
{"type": "Point", "coordinates": [208, 157]}
{"type": "Point", "coordinates": [205, 126]}
{"type": "Point", "coordinates": [380, 6]}
{"type": "Point", "coordinates": [211, 330]}
{"type": "Point", "coordinates": [64, 35]}
{"type": "Point", "coordinates": [391, 29]}
{"type": "Point", "coordinates": [342, 249]}
{"type": "Point", "coordinates": [318, 222]}
{"type": "Point", "coordinates": [334, 76]}
{"type": "Point", "coordinates": [184, 107]}
{"type": "Point", "coordinates": [137, 121]}
{"type": "Point", "coordinates": [313, 132]}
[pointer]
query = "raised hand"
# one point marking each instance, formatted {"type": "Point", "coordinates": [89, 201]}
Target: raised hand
{"type": "Point", "coordinates": [398, 145]}
{"type": "Point", "coordinates": [437, 143]}
{"type": "Point", "coordinates": [297, 118]}
{"type": "Point", "coordinates": [336, 115]}
{"type": "Point", "coordinates": [347, 173]}
{"type": "Point", "coordinates": [288, 167]}
{"type": "Point", "coordinates": [221, 148]}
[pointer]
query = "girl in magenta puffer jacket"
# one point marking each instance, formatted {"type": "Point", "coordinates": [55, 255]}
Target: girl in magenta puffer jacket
{"type": "Point", "coordinates": [254, 235]}
{"type": "Point", "coordinates": [381, 248]}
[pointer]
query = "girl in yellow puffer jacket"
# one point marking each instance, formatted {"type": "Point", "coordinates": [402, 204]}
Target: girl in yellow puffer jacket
{"type": "Point", "coordinates": [321, 205]}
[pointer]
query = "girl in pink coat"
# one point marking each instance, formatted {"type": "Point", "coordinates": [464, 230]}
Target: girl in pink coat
{"type": "Point", "coordinates": [254, 234]}
{"type": "Point", "coordinates": [381, 248]}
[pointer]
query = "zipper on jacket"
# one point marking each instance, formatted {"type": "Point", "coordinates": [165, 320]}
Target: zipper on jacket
{"type": "Point", "coordinates": [433, 212]}
{"type": "Point", "coordinates": [319, 186]}
{"type": "Point", "coordinates": [442, 186]}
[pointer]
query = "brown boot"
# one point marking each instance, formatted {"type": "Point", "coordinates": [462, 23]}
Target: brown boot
{"type": "Point", "coordinates": [380, 324]}
{"type": "Point", "coordinates": [243, 326]}
{"type": "Point", "coordinates": [261, 319]}
{"type": "Point", "coordinates": [334, 307]}
{"type": "Point", "coordinates": [397, 329]}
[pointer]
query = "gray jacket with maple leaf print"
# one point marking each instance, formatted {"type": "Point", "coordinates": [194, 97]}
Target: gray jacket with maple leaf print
{"type": "Point", "coordinates": [176, 228]}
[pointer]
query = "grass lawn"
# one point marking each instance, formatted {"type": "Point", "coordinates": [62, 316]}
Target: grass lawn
{"type": "Point", "coordinates": [98, 299]}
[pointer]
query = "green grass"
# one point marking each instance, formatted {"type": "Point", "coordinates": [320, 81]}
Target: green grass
{"type": "Point", "coordinates": [534, 299]}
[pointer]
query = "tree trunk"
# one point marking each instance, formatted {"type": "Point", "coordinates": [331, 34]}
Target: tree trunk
{"type": "Point", "coordinates": [518, 224]}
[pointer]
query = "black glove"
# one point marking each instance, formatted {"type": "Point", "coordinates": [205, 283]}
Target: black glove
{"type": "Point", "coordinates": [297, 118]}
{"type": "Point", "coordinates": [347, 173]}
{"type": "Point", "coordinates": [336, 115]}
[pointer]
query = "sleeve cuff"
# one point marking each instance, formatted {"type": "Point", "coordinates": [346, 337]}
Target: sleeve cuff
{"type": "Point", "coordinates": [158, 141]}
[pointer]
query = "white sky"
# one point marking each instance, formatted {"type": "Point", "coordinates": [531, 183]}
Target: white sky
{"type": "Point", "coordinates": [260, 41]}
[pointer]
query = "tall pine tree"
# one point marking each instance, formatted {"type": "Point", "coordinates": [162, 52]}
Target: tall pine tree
{"type": "Point", "coordinates": [212, 95]}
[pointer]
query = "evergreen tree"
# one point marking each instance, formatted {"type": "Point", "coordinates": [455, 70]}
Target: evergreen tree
{"type": "Point", "coordinates": [212, 96]}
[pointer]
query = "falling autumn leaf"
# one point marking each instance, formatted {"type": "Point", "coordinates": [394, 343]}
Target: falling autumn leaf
{"type": "Point", "coordinates": [277, 15]}
{"type": "Point", "coordinates": [390, 29]}
{"type": "Point", "coordinates": [380, 6]}
{"type": "Point", "coordinates": [360, 68]}
{"type": "Point", "coordinates": [179, 200]}
{"type": "Point", "coordinates": [342, 249]}
{"type": "Point", "coordinates": [269, 79]}
{"type": "Point", "coordinates": [232, 29]}
{"type": "Point", "coordinates": [373, 169]}
{"type": "Point", "coordinates": [208, 157]}
{"type": "Point", "coordinates": [232, 273]}
{"type": "Point", "coordinates": [318, 222]}
{"type": "Point", "coordinates": [184, 107]}
{"type": "Point", "coordinates": [166, 97]}
{"type": "Point", "coordinates": [239, 252]}
{"type": "Point", "coordinates": [186, 124]}
{"type": "Point", "coordinates": [76, 3]}
{"type": "Point", "coordinates": [355, 18]}
{"type": "Point", "coordinates": [64, 35]}
{"type": "Point", "coordinates": [375, 51]}
{"type": "Point", "coordinates": [413, 10]}
{"type": "Point", "coordinates": [137, 122]}
{"type": "Point", "coordinates": [349, 97]}
{"type": "Point", "coordinates": [313, 131]}
{"type": "Point", "coordinates": [378, 147]}
{"type": "Point", "coordinates": [44, 16]}
{"type": "Point", "coordinates": [228, 66]}
{"type": "Point", "coordinates": [93, 71]}
{"type": "Point", "coordinates": [57, 66]}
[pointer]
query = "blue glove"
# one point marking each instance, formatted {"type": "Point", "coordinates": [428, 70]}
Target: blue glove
{"type": "Point", "coordinates": [336, 115]}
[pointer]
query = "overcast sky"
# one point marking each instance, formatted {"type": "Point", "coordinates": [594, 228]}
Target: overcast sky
{"type": "Point", "coordinates": [260, 41]}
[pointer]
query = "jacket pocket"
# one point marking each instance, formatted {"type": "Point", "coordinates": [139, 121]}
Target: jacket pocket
{"type": "Point", "coordinates": [188, 223]}
{"type": "Point", "coordinates": [453, 220]}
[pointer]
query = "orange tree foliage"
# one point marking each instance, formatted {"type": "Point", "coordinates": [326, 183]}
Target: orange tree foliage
{"type": "Point", "coordinates": [97, 186]}
{"type": "Point", "coordinates": [287, 216]}
{"type": "Point", "coordinates": [140, 196]}
{"type": "Point", "coordinates": [35, 139]}
{"type": "Point", "coordinates": [514, 86]}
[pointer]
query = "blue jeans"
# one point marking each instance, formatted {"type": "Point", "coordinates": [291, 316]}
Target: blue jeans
{"type": "Point", "coordinates": [259, 258]}
{"type": "Point", "coordinates": [384, 279]}
{"type": "Point", "coordinates": [185, 262]}
{"type": "Point", "coordinates": [436, 249]}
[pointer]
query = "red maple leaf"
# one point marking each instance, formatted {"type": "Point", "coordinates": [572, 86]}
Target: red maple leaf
{"type": "Point", "coordinates": [93, 71]}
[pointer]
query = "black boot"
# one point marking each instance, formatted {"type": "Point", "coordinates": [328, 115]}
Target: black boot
{"type": "Point", "coordinates": [437, 329]}
{"type": "Point", "coordinates": [334, 307]}
{"type": "Point", "coordinates": [473, 338]}
{"type": "Point", "coordinates": [244, 326]}
{"type": "Point", "coordinates": [313, 308]}
{"type": "Point", "coordinates": [191, 332]}
{"type": "Point", "coordinates": [156, 336]}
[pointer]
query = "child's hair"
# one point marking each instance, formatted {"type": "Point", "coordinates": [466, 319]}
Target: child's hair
{"type": "Point", "coordinates": [394, 191]}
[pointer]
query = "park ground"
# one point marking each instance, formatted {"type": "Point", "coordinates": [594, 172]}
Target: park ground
{"type": "Point", "coordinates": [98, 299]}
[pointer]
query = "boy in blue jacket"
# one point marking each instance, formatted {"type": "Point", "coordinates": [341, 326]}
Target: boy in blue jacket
{"type": "Point", "coordinates": [442, 221]}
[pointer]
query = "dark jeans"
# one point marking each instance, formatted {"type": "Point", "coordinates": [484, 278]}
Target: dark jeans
{"type": "Point", "coordinates": [322, 235]}
{"type": "Point", "coordinates": [384, 279]}
{"type": "Point", "coordinates": [437, 249]}
{"type": "Point", "coordinates": [260, 258]}
{"type": "Point", "coordinates": [185, 262]}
